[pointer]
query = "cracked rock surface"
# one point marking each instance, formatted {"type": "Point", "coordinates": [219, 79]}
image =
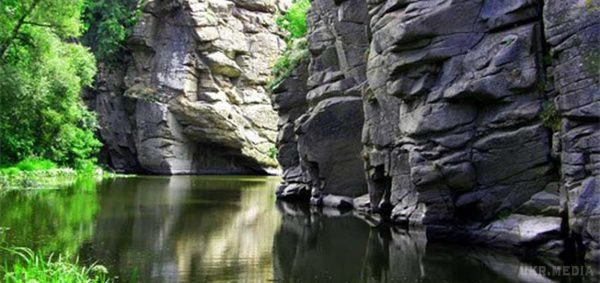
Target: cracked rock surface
{"type": "Point", "coordinates": [480, 118]}
{"type": "Point", "coordinates": [320, 109]}
{"type": "Point", "coordinates": [191, 98]}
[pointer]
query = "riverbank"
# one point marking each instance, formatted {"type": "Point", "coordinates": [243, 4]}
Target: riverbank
{"type": "Point", "coordinates": [13, 178]}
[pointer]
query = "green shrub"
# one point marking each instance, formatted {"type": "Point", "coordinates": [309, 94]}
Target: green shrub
{"type": "Point", "coordinates": [108, 24]}
{"type": "Point", "coordinates": [294, 20]}
{"type": "Point", "coordinates": [273, 152]}
{"type": "Point", "coordinates": [550, 117]}
{"type": "Point", "coordinates": [27, 266]}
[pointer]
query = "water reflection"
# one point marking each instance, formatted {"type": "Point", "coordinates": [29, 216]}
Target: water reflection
{"type": "Point", "coordinates": [206, 229]}
{"type": "Point", "coordinates": [320, 246]}
{"type": "Point", "coordinates": [186, 229]}
{"type": "Point", "coordinates": [48, 221]}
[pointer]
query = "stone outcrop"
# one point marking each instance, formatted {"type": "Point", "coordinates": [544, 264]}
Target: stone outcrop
{"type": "Point", "coordinates": [476, 119]}
{"type": "Point", "coordinates": [573, 33]}
{"type": "Point", "coordinates": [461, 102]}
{"type": "Point", "coordinates": [453, 131]}
{"type": "Point", "coordinates": [192, 98]}
{"type": "Point", "coordinates": [289, 99]}
{"type": "Point", "coordinates": [321, 114]}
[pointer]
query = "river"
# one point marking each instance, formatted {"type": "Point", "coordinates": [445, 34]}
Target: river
{"type": "Point", "coordinates": [232, 229]}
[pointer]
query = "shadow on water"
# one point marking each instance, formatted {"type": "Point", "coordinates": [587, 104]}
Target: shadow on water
{"type": "Point", "coordinates": [205, 229]}
{"type": "Point", "coordinates": [332, 246]}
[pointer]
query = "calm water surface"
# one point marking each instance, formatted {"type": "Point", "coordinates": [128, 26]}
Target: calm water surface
{"type": "Point", "coordinates": [231, 229]}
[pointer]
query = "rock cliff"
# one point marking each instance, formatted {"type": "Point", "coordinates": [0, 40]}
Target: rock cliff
{"type": "Point", "coordinates": [320, 109]}
{"type": "Point", "coordinates": [479, 118]}
{"type": "Point", "coordinates": [573, 34]}
{"type": "Point", "coordinates": [191, 98]}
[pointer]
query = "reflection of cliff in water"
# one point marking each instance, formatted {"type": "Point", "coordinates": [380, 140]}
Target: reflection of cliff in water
{"type": "Point", "coordinates": [186, 229]}
{"type": "Point", "coordinates": [317, 246]}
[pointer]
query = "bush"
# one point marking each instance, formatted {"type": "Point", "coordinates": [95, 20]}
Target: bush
{"type": "Point", "coordinates": [550, 117]}
{"type": "Point", "coordinates": [294, 20]}
{"type": "Point", "coordinates": [43, 71]}
{"type": "Point", "coordinates": [109, 23]}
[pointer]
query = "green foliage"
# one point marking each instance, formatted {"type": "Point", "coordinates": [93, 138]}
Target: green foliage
{"type": "Point", "coordinates": [109, 23]}
{"type": "Point", "coordinates": [29, 266]}
{"type": "Point", "coordinates": [43, 72]}
{"type": "Point", "coordinates": [294, 20]}
{"type": "Point", "coordinates": [34, 164]}
{"type": "Point", "coordinates": [273, 152]}
{"type": "Point", "coordinates": [296, 51]}
{"type": "Point", "coordinates": [550, 117]}
{"type": "Point", "coordinates": [12, 178]}
{"type": "Point", "coordinates": [504, 214]}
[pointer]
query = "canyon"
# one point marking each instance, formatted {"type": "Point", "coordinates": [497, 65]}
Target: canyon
{"type": "Point", "coordinates": [477, 121]}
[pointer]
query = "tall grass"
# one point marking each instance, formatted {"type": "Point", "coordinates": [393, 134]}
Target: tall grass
{"type": "Point", "coordinates": [27, 266]}
{"type": "Point", "coordinates": [41, 173]}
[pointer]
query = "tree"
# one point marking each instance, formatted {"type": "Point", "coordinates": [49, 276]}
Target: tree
{"type": "Point", "coordinates": [43, 70]}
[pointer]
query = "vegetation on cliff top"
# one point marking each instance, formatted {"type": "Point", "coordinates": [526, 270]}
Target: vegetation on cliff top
{"type": "Point", "coordinates": [294, 22]}
{"type": "Point", "coordinates": [108, 24]}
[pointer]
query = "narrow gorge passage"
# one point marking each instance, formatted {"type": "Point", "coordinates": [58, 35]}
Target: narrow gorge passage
{"type": "Point", "coordinates": [300, 140]}
{"type": "Point", "coordinates": [458, 117]}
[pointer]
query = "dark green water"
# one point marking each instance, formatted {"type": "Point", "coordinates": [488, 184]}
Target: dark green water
{"type": "Point", "coordinates": [231, 229]}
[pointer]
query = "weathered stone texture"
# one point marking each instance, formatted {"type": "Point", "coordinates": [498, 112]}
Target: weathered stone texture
{"type": "Point", "coordinates": [453, 135]}
{"type": "Point", "coordinates": [326, 136]}
{"type": "Point", "coordinates": [458, 120]}
{"type": "Point", "coordinates": [192, 98]}
{"type": "Point", "coordinates": [289, 99]}
{"type": "Point", "coordinates": [573, 33]}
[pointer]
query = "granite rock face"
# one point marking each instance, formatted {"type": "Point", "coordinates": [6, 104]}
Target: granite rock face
{"type": "Point", "coordinates": [192, 97]}
{"type": "Point", "coordinates": [461, 100]}
{"type": "Point", "coordinates": [319, 145]}
{"type": "Point", "coordinates": [573, 33]}
{"type": "Point", "coordinates": [453, 130]}
{"type": "Point", "coordinates": [289, 99]}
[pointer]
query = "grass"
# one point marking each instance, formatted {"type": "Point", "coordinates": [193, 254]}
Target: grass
{"type": "Point", "coordinates": [39, 173]}
{"type": "Point", "coordinates": [27, 266]}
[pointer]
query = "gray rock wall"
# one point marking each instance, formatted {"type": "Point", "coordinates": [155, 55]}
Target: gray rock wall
{"type": "Point", "coordinates": [289, 99]}
{"type": "Point", "coordinates": [453, 136]}
{"type": "Point", "coordinates": [326, 136]}
{"type": "Point", "coordinates": [192, 97]}
{"type": "Point", "coordinates": [573, 33]}
{"type": "Point", "coordinates": [460, 101]}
